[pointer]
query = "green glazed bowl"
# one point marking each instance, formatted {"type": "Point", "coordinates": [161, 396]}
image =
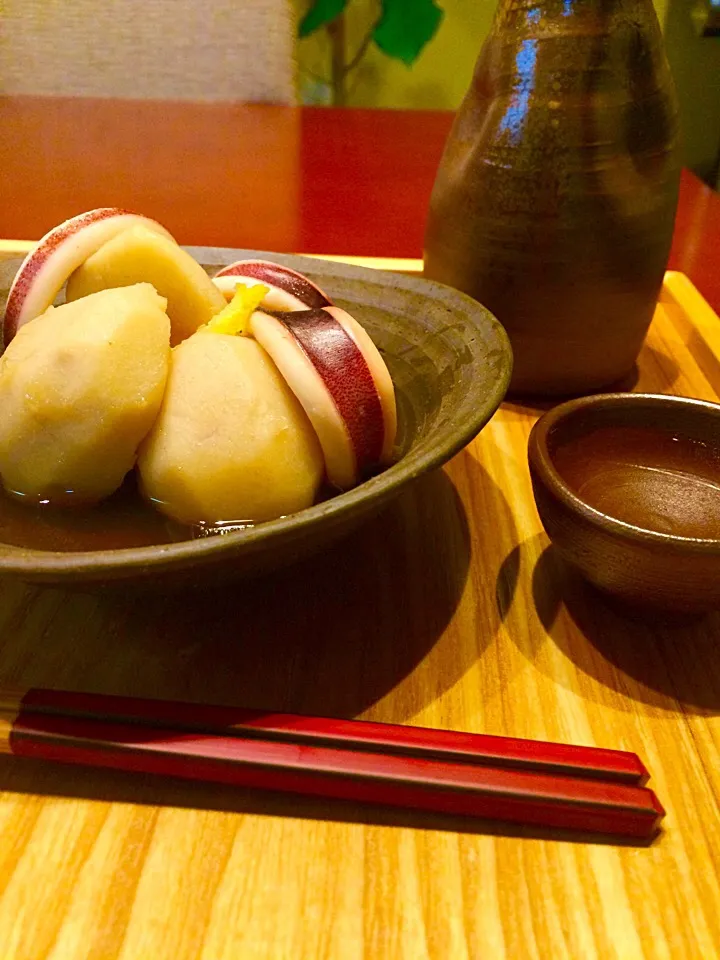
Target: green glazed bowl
{"type": "Point", "coordinates": [450, 361]}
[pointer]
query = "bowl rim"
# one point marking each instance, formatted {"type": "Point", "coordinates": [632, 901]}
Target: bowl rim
{"type": "Point", "coordinates": [128, 562]}
{"type": "Point", "coordinates": [542, 464]}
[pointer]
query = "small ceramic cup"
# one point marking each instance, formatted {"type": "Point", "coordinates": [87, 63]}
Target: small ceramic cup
{"type": "Point", "coordinates": [627, 487]}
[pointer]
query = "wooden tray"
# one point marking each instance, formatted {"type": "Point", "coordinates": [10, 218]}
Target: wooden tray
{"type": "Point", "coordinates": [449, 610]}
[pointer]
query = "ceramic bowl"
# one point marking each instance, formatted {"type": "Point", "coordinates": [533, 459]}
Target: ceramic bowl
{"type": "Point", "coordinates": [450, 361]}
{"type": "Point", "coordinates": [628, 489]}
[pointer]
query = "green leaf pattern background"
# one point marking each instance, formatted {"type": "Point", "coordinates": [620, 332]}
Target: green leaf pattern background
{"type": "Point", "coordinates": [404, 27]}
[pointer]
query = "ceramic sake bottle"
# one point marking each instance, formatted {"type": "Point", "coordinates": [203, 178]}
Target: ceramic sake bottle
{"type": "Point", "coordinates": [555, 199]}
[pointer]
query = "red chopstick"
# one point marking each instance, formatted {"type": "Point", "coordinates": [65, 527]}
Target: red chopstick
{"type": "Point", "coordinates": [412, 781]}
{"type": "Point", "coordinates": [358, 735]}
{"type": "Point", "coordinates": [452, 788]}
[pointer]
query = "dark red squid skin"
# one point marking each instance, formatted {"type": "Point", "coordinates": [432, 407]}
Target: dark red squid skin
{"type": "Point", "coordinates": [276, 275]}
{"type": "Point", "coordinates": [346, 375]}
{"type": "Point", "coordinates": [31, 266]}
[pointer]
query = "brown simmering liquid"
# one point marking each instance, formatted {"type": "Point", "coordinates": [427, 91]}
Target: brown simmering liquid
{"type": "Point", "coordinates": [646, 477]}
{"type": "Point", "coordinates": [125, 519]}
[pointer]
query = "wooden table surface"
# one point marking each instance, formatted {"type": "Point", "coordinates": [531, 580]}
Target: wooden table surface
{"type": "Point", "coordinates": [448, 610]}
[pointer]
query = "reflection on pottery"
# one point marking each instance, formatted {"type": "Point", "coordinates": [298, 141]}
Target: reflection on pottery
{"type": "Point", "coordinates": [555, 199]}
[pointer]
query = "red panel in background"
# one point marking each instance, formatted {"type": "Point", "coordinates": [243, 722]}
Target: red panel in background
{"type": "Point", "coordinates": [367, 176]}
{"type": "Point", "coordinates": [366, 179]}
{"type": "Point", "coordinates": [696, 242]}
{"type": "Point", "coordinates": [213, 174]}
{"type": "Point", "coordinates": [318, 180]}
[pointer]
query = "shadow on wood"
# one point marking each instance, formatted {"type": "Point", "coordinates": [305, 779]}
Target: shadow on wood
{"type": "Point", "coordinates": [331, 635]}
{"type": "Point", "coordinates": [655, 658]}
{"type": "Point", "coordinates": [20, 775]}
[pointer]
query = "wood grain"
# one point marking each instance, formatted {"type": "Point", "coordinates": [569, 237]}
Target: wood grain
{"type": "Point", "coordinates": [448, 610]}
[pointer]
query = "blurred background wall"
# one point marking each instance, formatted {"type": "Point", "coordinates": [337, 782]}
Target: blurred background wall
{"type": "Point", "coordinates": [226, 49]}
{"type": "Point", "coordinates": [149, 49]}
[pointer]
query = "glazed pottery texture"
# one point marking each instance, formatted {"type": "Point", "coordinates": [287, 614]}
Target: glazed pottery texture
{"type": "Point", "coordinates": [555, 199]}
{"type": "Point", "coordinates": [450, 361]}
{"type": "Point", "coordinates": [627, 486]}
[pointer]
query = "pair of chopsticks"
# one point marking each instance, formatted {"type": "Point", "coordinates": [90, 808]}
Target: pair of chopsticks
{"type": "Point", "coordinates": [473, 775]}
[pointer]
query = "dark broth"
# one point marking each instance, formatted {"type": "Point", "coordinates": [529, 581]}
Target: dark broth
{"type": "Point", "coordinates": [647, 477]}
{"type": "Point", "coordinates": [126, 519]}
{"type": "Point", "coordinates": [123, 520]}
